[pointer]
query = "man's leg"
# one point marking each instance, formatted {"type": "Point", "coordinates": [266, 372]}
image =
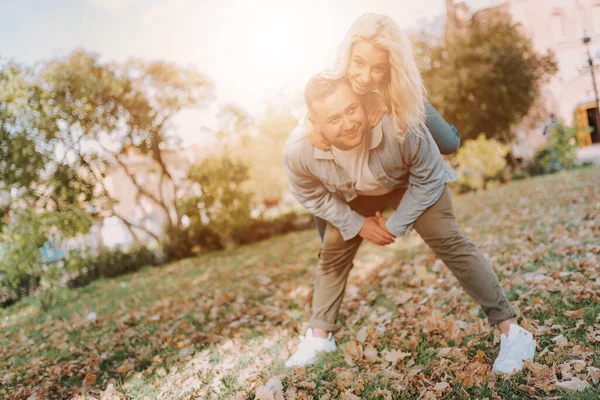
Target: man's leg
{"type": "Point", "coordinates": [320, 224]}
{"type": "Point", "coordinates": [437, 226]}
{"type": "Point", "coordinates": [336, 258]}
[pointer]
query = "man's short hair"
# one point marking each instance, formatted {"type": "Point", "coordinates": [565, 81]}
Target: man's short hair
{"type": "Point", "coordinates": [320, 87]}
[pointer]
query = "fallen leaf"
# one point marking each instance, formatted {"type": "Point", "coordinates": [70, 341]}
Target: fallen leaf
{"type": "Point", "coordinates": [403, 297]}
{"type": "Point", "coordinates": [90, 379]}
{"type": "Point", "coordinates": [441, 387]}
{"type": "Point", "coordinates": [395, 356]}
{"type": "Point", "coordinates": [371, 353]}
{"type": "Point", "coordinates": [574, 385]}
{"type": "Point", "coordinates": [577, 314]}
{"type": "Point", "coordinates": [362, 334]}
{"type": "Point", "coordinates": [560, 340]}
{"type": "Point", "coordinates": [307, 385]}
{"type": "Point", "coordinates": [593, 373]}
{"type": "Point", "coordinates": [348, 395]}
{"type": "Point", "coordinates": [353, 351]}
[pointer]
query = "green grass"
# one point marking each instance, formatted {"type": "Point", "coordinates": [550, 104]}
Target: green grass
{"type": "Point", "coordinates": [221, 323]}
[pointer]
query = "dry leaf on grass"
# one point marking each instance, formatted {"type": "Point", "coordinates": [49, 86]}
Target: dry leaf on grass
{"type": "Point", "coordinates": [353, 352]}
{"type": "Point", "coordinates": [441, 387]}
{"type": "Point", "coordinates": [307, 385]}
{"type": "Point", "coordinates": [594, 374]}
{"type": "Point", "coordinates": [574, 385]}
{"type": "Point", "coordinates": [395, 356]}
{"type": "Point", "coordinates": [348, 395]}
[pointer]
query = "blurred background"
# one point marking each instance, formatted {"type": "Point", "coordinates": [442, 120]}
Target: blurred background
{"type": "Point", "coordinates": [153, 129]}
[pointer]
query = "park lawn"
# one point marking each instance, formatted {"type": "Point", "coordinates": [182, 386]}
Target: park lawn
{"type": "Point", "coordinates": [222, 324]}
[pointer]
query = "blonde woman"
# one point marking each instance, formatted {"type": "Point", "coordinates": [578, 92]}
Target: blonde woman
{"type": "Point", "coordinates": [376, 56]}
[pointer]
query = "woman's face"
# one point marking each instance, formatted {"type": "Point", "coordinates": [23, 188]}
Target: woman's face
{"type": "Point", "coordinates": [368, 67]}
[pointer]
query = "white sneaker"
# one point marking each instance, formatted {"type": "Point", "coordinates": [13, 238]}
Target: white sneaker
{"type": "Point", "coordinates": [309, 348]}
{"type": "Point", "coordinates": [518, 346]}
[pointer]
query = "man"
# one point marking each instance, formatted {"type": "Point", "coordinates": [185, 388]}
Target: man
{"type": "Point", "coordinates": [366, 172]}
{"type": "Point", "coordinates": [550, 125]}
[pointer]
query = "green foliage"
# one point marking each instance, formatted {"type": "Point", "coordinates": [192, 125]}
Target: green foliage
{"type": "Point", "coordinates": [65, 124]}
{"type": "Point", "coordinates": [484, 77]}
{"type": "Point", "coordinates": [218, 201]}
{"type": "Point", "coordinates": [558, 153]}
{"type": "Point", "coordinates": [21, 161]}
{"type": "Point", "coordinates": [479, 161]}
{"type": "Point", "coordinates": [20, 256]}
{"type": "Point", "coordinates": [107, 264]}
{"type": "Point", "coordinates": [21, 260]}
{"type": "Point", "coordinates": [262, 228]}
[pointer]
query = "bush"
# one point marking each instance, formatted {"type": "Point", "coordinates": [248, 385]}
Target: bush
{"type": "Point", "coordinates": [20, 258]}
{"type": "Point", "coordinates": [183, 242]}
{"type": "Point", "coordinates": [107, 264]}
{"type": "Point", "coordinates": [558, 153]}
{"type": "Point", "coordinates": [262, 229]}
{"type": "Point", "coordinates": [480, 161]}
{"type": "Point", "coordinates": [186, 242]}
{"type": "Point", "coordinates": [217, 203]}
{"type": "Point", "coordinates": [23, 271]}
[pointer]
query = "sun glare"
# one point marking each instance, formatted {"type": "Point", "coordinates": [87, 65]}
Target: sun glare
{"type": "Point", "coordinates": [273, 43]}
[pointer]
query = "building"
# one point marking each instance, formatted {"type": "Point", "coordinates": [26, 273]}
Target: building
{"type": "Point", "coordinates": [559, 25]}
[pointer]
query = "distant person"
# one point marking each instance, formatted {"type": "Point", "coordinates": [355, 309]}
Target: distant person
{"type": "Point", "coordinates": [386, 81]}
{"type": "Point", "coordinates": [365, 172]}
{"type": "Point", "coordinates": [549, 126]}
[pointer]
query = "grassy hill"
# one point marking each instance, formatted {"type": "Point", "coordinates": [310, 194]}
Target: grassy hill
{"type": "Point", "coordinates": [222, 325]}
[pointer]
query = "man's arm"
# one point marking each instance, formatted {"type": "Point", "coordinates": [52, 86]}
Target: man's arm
{"type": "Point", "coordinates": [425, 184]}
{"type": "Point", "coordinates": [315, 197]}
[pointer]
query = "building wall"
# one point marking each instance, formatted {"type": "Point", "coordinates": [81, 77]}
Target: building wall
{"type": "Point", "coordinates": [558, 25]}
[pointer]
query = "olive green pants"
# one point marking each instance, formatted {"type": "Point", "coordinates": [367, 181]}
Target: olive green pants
{"type": "Point", "coordinates": [437, 226]}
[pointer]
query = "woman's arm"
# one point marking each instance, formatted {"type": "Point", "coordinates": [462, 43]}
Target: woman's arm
{"type": "Point", "coordinates": [445, 135]}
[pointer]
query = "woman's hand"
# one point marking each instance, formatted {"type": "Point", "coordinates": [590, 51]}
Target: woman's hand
{"type": "Point", "coordinates": [374, 108]}
{"type": "Point", "coordinates": [315, 137]}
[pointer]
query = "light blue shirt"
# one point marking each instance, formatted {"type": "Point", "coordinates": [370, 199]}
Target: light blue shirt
{"type": "Point", "coordinates": [324, 188]}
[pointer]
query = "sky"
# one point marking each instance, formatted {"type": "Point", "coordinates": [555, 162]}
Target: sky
{"type": "Point", "coordinates": [252, 50]}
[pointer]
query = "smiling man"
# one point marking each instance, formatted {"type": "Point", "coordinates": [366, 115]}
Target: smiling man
{"type": "Point", "coordinates": [366, 172]}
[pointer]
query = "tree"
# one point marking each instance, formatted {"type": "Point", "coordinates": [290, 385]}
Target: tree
{"type": "Point", "coordinates": [21, 160]}
{"type": "Point", "coordinates": [217, 202]}
{"type": "Point", "coordinates": [486, 78]}
{"type": "Point", "coordinates": [94, 111]}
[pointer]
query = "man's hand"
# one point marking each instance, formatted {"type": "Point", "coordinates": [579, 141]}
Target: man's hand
{"type": "Point", "coordinates": [381, 220]}
{"type": "Point", "coordinates": [374, 108]}
{"type": "Point", "coordinates": [374, 233]}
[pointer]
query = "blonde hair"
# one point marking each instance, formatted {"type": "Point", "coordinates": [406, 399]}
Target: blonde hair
{"type": "Point", "coordinates": [402, 90]}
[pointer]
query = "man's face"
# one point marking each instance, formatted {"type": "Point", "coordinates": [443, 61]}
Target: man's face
{"type": "Point", "coordinates": [340, 118]}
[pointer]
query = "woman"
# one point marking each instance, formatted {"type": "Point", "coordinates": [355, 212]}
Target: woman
{"type": "Point", "coordinates": [377, 57]}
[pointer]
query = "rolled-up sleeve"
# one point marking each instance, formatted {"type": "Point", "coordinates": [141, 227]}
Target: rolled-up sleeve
{"type": "Point", "coordinates": [319, 201]}
{"type": "Point", "coordinates": [425, 185]}
{"type": "Point", "coordinates": [445, 135]}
